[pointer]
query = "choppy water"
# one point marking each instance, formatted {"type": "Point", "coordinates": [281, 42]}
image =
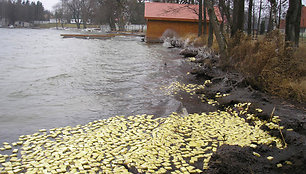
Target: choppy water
{"type": "Point", "coordinates": [47, 81]}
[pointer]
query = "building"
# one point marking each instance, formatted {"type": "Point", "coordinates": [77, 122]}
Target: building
{"type": "Point", "coordinates": [180, 18]}
{"type": "Point", "coordinates": [303, 21]}
{"type": "Point", "coordinates": [22, 24]}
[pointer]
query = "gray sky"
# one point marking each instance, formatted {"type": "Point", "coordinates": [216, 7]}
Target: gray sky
{"type": "Point", "coordinates": [48, 4]}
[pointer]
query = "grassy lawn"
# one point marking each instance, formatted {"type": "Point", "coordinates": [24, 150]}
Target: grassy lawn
{"type": "Point", "coordinates": [66, 26]}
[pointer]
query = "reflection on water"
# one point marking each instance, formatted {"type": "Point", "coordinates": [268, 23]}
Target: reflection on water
{"type": "Point", "coordinates": [47, 81]}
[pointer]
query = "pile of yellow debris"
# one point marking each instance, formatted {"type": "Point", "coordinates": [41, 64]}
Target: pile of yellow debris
{"type": "Point", "coordinates": [118, 144]}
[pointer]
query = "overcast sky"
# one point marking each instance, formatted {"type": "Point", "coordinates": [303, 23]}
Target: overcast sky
{"type": "Point", "coordinates": [48, 4]}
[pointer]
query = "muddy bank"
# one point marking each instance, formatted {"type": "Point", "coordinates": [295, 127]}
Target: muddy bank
{"type": "Point", "coordinates": [202, 64]}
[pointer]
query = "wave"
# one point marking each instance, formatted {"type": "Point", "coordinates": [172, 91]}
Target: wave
{"type": "Point", "coordinates": [60, 76]}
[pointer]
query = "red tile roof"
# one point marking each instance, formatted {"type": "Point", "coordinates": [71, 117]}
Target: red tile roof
{"type": "Point", "coordinates": [174, 12]}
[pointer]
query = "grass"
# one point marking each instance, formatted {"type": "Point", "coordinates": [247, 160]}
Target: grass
{"type": "Point", "coordinates": [268, 66]}
{"type": "Point", "coordinates": [265, 63]}
{"type": "Point", "coordinates": [193, 39]}
{"type": "Point", "coordinates": [66, 26]}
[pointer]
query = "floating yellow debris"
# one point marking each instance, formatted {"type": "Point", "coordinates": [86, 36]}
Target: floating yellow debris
{"type": "Point", "coordinates": [42, 130]}
{"type": "Point", "coordinates": [7, 147]}
{"type": "Point", "coordinates": [270, 158]}
{"type": "Point", "coordinates": [192, 59]}
{"type": "Point", "coordinates": [174, 143]}
{"type": "Point", "coordinates": [288, 162]}
{"type": "Point", "coordinates": [192, 89]}
{"type": "Point", "coordinates": [259, 110]}
{"type": "Point", "coordinates": [256, 154]}
{"type": "Point", "coordinates": [279, 165]}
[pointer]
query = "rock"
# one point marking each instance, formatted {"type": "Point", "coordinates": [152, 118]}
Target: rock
{"type": "Point", "coordinates": [177, 43]}
{"type": "Point", "coordinates": [204, 71]}
{"type": "Point", "coordinates": [189, 52]}
{"type": "Point", "coordinates": [240, 160]}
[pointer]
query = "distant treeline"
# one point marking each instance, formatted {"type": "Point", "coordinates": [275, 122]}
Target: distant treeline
{"type": "Point", "coordinates": [116, 13]}
{"type": "Point", "coordinates": [25, 11]}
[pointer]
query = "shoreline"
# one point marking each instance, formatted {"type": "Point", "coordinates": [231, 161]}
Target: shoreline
{"type": "Point", "coordinates": [292, 117]}
{"type": "Point", "coordinates": [197, 98]}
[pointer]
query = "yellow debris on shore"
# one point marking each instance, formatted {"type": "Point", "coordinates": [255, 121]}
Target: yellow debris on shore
{"type": "Point", "coordinates": [119, 144]}
{"type": "Point", "coordinates": [192, 89]}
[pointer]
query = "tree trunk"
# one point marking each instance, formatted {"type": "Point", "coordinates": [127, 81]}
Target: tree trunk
{"type": "Point", "coordinates": [218, 33]}
{"type": "Point", "coordinates": [111, 23]}
{"type": "Point", "coordinates": [270, 24]}
{"type": "Point", "coordinates": [200, 18]}
{"type": "Point", "coordinates": [121, 24]}
{"type": "Point", "coordinates": [84, 23]}
{"type": "Point", "coordinates": [250, 17]}
{"type": "Point", "coordinates": [258, 23]}
{"type": "Point", "coordinates": [205, 19]}
{"type": "Point", "coordinates": [279, 13]}
{"type": "Point", "coordinates": [274, 12]}
{"type": "Point", "coordinates": [238, 16]}
{"type": "Point", "coordinates": [211, 35]}
{"type": "Point", "coordinates": [293, 20]}
{"type": "Point", "coordinates": [272, 17]}
{"type": "Point", "coordinates": [226, 12]}
{"type": "Point", "coordinates": [253, 22]}
{"type": "Point", "coordinates": [220, 5]}
{"type": "Point", "coordinates": [56, 23]}
{"type": "Point", "coordinates": [77, 21]}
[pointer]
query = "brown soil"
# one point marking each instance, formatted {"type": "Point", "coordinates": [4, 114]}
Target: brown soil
{"type": "Point", "coordinates": [234, 159]}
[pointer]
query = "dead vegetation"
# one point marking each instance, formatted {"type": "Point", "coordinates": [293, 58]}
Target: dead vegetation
{"type": "Point", "coordinates": [194, 40]}
{"type": "Point", "coordinates": [268, 66]}
{"type": "Point", "coordinates": [265, 63]}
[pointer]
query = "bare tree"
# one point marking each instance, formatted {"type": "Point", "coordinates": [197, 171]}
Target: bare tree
{"type": "Point", "coordinates": [87, 11]}
{"type": "Point", "coordinates": [221, 5]}
{"type": "Point", "coordinates": [59, 14]}
{"type": "Point", "coordinates": [205, 18]}
{"type": "Point", "coordinates": [210, 34]}
{"type": "Point", "coordinates": [250, 17]}
{"type": "Point", "coordinates": [238, 16]}
{"type": "Point", "coordinates": [75, 7]}
{"type": "Point", "coordinates": [200, 18]}
{"type": "Point", "coordinates": [293, 20]}
{"type": "Point", "coordinates": [259, 16]}
{"type": "Point", "coordinates": [216, 26]}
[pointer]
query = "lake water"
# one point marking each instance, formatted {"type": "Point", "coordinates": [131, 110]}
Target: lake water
{"type": "Point", "coordinates": [47, 81]}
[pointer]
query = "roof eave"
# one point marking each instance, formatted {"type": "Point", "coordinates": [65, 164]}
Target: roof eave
{"type": "Point", "coordinates": [173, 19]}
